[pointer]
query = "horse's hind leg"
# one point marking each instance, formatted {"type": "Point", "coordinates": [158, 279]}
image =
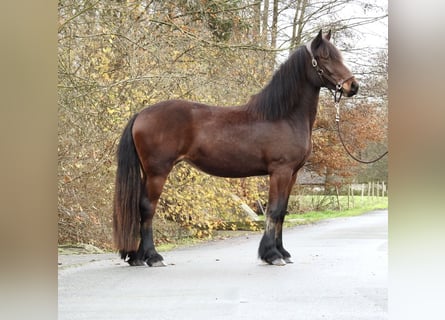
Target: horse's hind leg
{"type": "Point", "coordinates": [147, 254]}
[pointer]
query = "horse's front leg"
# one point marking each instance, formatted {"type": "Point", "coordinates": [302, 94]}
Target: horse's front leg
{"type": "Point", "coordinates": [279, 226]}
{"type": "Point", "coordinates": [271, 246]}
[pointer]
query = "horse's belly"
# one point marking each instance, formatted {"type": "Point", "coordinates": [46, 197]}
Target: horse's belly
{"type": "Point", "coordinates": [233, 164]}
{"type": "Point", "coordinates": [237, 152]}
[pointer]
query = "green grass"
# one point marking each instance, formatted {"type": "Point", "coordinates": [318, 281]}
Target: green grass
{"type": "Point", "coordinates": [361, 205]}
{"type": "Point", "coordinates": [179, 243]}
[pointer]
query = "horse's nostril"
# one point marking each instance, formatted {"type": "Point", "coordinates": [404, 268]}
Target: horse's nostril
{"type": "Point", "coordinates": [354, 88]}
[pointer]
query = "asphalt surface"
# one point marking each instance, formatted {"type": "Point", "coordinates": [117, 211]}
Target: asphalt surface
{"type": "Point", "coordinates": [340, 272]}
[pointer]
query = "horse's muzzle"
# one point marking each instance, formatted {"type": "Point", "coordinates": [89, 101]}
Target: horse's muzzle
{"type": "Point", "coordinates": [353, 89]}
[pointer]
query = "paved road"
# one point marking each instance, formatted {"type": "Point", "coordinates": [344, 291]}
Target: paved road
{"type": "Point", "coordinates": [340, 272]}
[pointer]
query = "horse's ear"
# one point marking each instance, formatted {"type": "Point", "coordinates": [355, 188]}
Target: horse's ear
{"type": "Point", "coordinates": [318, 40]}
{"type": "Point", "coordinates": [328, 36]}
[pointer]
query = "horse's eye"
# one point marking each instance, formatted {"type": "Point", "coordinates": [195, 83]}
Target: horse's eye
{"type": "Point", "coordinates": [324, 55]}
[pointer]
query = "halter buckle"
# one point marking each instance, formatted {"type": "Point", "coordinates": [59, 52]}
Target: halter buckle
{"type": "Point", "coordinates": [314, 63]}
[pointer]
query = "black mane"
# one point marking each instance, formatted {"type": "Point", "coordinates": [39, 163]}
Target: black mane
{"type": "Point", "coordinates": [280, 96]}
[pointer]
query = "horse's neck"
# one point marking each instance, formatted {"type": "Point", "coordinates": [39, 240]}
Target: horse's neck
{"type": "Point", "coordinates": [306, 110]}
{"type": "Point", "coordinates": [299, 108]}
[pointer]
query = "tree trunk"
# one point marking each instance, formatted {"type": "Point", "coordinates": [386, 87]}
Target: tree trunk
{"type": "Point", "coordinates": [265, 21]}
{"type": "Point", "coordinates": [274, 30]}
{"type": "Point", "coordinates": [298, 24]}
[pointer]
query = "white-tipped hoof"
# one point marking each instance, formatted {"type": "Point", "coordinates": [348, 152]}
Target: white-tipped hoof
{"type": "Point", "coordinates": [288, 260]}
{"type": "Point", "coordinates": [158, 264]}
{"type": "Point", "coordinates": [278, 262]}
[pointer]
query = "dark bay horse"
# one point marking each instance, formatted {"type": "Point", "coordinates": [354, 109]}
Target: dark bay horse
{"type": "Point", "coordinates": [269, 135]}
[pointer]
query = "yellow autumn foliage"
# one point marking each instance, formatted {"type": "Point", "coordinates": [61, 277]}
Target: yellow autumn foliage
{"type": "Point", "coordinates": [116, 59]}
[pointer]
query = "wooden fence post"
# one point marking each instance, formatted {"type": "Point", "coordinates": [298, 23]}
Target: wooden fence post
{"type": "Point", "coordinates": [338, 198]}
{"type": "Point", "coordinates": [352, 192]}
{"type": "Point", "coordinates": [378, 189]}
{"type": "Point", "coordinates": [363, 192]}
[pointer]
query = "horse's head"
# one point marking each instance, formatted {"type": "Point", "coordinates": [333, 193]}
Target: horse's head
{"type": "Point", "coordinates": [328, 64]}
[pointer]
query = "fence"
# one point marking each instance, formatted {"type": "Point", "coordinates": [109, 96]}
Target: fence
{"type": "Point", "coordinates": [308, 198]}
{"type": "Point", "coordinates": [370, 189]}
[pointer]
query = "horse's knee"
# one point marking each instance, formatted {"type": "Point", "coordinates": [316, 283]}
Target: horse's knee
{"type": "Point", "coordinates": [278, 209]}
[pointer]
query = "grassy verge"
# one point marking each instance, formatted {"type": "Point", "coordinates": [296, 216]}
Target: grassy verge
{"type": "Point", "coordinates": [361, 205]}
{"type": "Point", "coordinates": [184, 242]}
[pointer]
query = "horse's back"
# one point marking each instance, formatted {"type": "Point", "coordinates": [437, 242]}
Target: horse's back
{"type": "Point", "coordinates": [180, 119]}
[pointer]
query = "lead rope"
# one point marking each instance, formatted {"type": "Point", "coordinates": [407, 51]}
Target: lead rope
{"type": "Point", "coordinates": [337, 94]}
{"type": "Point", "coordinates": [337, 120]}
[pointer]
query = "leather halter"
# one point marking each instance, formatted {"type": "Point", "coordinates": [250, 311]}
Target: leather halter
{"type": "Point", "coordinates": [337, 94]}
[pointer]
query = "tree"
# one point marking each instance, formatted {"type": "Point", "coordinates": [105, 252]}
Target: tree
{"type": "Point", "coordinates": [117, 57]}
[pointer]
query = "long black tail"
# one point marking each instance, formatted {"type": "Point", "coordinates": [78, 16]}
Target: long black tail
{"type": "Point", "coordinates": [128, 189]}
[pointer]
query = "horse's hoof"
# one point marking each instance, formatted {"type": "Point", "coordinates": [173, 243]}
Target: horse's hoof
{"type": "Point", "coordinates": [278, 262]}
{"type": "Point", "coordinates": [137, 263]}
{"type": "Point", "coordinates": [288, 260]}
{"type": "Point", "coordinates": [159, 263]}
